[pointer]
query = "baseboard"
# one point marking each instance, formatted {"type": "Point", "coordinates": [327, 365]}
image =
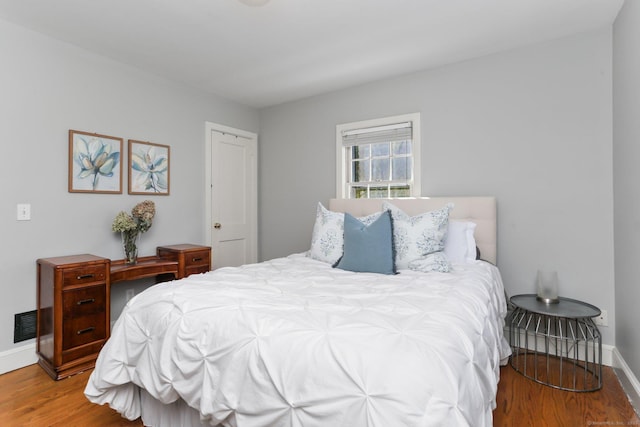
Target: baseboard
{"type": "Point", "coordinates": [627, 378]}
{"type": "Point", "coordinates": [17, 358]}
{"type": "Point", "coordinates": [607, 354]}
{"type": "Point", "coordinates": [25, 355]}
{"type": "Point", "coordinates": [607, 350]}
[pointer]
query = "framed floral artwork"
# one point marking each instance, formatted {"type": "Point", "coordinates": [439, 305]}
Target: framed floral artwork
{"type": "Point", "coordinates": [148, 168]}
{"type": "Point", "coordinates": [94, 163]}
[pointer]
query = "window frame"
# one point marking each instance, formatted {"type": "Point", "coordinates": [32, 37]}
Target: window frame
{"type": "Point", "coordinates": [342, 171]}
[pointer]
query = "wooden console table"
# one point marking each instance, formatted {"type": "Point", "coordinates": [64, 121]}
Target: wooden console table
{"type": "Point", "coordinates": [178, 260]}
{"type": "Point", "coordinates": [74, 300]}
{"type": "Point", "coordinates": [150, 266]}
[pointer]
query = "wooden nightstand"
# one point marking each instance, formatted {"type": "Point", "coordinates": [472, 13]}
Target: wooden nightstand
{"type": "Point", "coordinates": [192, 259]}
{"type": "Point", "coordinates": [73, 312]}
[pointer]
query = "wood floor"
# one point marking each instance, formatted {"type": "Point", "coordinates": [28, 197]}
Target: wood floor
{"type": "Point", "coordinates": [524, 402]}
{"type": "Point", "coordinates": [28, 397]}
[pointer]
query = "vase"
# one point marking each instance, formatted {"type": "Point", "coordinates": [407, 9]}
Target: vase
{"type": "Point", "coordinates": [130, 246]}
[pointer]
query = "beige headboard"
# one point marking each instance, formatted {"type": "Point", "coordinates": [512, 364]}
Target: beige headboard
{"type": "Point", "coordinates": [481, 210]}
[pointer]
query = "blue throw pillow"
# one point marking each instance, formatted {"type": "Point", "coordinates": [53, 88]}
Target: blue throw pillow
{"type": "Point", "coordinates": [368, 248]}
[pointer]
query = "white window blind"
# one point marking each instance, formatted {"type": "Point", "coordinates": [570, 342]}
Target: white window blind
{"type": "Point", "coordinates": [379, 158]}
{"type": "Point", "coordinates": [379, 134]}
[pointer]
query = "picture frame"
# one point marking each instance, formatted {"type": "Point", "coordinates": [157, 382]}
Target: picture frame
{"type": "Point", "coordinates": [94, 163]}
{"type": "Point", "coordinates": [149, 168]}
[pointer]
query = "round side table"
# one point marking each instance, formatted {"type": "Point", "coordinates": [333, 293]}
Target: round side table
{"type": "Point", "coordinates": [558, 345]}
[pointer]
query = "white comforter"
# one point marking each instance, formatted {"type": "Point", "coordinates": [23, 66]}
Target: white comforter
{"type": "Point", "coordinates": [294, 342]}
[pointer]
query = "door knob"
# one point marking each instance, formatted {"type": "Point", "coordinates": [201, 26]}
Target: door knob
{"type": "Point", "coordinates": [217, 226]}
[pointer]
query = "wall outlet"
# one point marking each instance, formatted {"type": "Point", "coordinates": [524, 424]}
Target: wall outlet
{"type": "Point", "coordinates": [130, 293]}
{"type": "Point", "coordinates": [23, 212]}
{"type": "Point", "coordinates": [603, 319]}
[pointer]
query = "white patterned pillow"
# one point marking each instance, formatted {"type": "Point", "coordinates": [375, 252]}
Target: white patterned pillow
{"type": "Point", "coordinates": [416, 237]}
{"type": "Point", "coordinates": [436, 261]}
{"type": "Point", "coordinates": [327, 239]}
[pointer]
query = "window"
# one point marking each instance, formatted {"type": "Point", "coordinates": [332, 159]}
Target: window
{"type": "Point", "coordinates": [379, 158]}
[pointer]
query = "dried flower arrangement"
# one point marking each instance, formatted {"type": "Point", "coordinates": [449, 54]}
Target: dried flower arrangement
{"type": "Point", "coordinates": [130, 226]}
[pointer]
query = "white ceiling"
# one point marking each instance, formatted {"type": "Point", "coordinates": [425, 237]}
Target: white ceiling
{"type": "Point", "coordinates": [291, 49]}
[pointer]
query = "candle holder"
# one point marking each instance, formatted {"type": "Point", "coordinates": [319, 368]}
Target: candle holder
{"type": "Point", "coordinates": [547, 287]}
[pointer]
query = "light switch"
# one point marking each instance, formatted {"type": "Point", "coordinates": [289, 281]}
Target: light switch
{"type": "Point", "coordinates": [24, 212]}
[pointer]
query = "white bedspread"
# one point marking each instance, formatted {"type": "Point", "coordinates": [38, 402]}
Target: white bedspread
{"type": "Point", "coordinates": [294, 342]}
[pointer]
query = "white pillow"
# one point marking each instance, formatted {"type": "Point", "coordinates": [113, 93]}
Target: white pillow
{"type": "Point", "coordinates": [327, 238]}
{"type": "Point", "coordinates": [416, 237]}
{"type": "Point", "coordinates": [460, 243]}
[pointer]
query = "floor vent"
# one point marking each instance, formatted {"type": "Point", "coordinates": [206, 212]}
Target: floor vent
{"type": "Point", "coordinates": [25, 326]}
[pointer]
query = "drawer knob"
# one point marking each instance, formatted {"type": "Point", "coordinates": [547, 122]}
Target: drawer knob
{"type": "Point", "coordinates": [217, 226]}
{"type": "Point", "coordinates": [196, 259]}
{"type": "Point", "coordinates": [86, 301]}
{"type": "Point", "coordinates": [84, 276]}
{"type": "Point", "coordinates": [85, 330]}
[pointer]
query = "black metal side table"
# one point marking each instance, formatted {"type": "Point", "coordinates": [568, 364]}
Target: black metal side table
{"type": "Point", "coordinates": [558, 345]}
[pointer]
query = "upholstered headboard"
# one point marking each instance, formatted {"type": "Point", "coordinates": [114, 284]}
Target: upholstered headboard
{"type": "Point", "coordinates": [481, 210]}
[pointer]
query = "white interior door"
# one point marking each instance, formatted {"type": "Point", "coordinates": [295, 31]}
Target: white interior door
{"type": "Point", "coordinates": [232, 199]}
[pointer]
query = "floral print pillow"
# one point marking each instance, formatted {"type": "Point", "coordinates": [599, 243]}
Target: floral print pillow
{"type": "Point", "coordinates": [436, 261]}
{"type": "Point", "coordinates": [327, 239]}
{"type": "Point", "coordinates": [417, 237]}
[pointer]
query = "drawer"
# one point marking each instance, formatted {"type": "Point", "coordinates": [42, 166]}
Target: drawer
{"type": "Point", "coordinates": [84, 329]}
{"type": "Point", "coordinates": [90, 351]}
{"type": "Point", "coordinates": [83, 301]}
{"type": "Point", "coordinates": [197, 258]}
{"type": "Point", "coordinates": [196, 269]}
{"type": "Point", "coordinates": [84, 275]}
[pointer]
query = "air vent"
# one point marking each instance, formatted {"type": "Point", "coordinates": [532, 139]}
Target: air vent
{"type": "Point", "coordinates": [25, 326]}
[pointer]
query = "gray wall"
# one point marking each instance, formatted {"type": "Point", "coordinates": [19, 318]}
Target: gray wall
{"type": "Point", "coordinates": [626, 155]}
{"type": "Point", "coordinates": [48, 87]}
{"type": "Point", "coordinates": [531, 126]}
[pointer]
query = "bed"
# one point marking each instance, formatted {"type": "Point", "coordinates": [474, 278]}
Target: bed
{"type": "Point", "coordinates": [295, 341]}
